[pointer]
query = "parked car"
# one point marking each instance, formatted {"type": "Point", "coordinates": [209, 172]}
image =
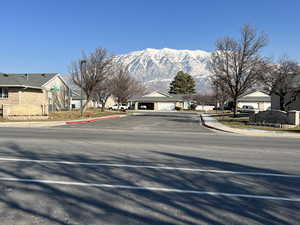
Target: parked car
{"type": "Point", "coordinates": [143, 107]}
{"type": "Point", "coordinates": [247, 109]}
{"type": "Point", "coordinates": [119, 107]}
{"type": "Point", "coordinates": [226, 107]}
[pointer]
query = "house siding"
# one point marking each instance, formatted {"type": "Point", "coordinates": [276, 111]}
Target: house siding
{"type": "Point", "coordinates": [32, 96]}
{"type": "Point", "coordinates": [61, 98]}
{"type": "Point", "coordinates": [24, 102]}
{"type": "Point", "coordinates": [13, 97]}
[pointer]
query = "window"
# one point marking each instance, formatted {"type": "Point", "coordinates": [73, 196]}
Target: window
{"type": "Point", "coordinates": [3, 92]}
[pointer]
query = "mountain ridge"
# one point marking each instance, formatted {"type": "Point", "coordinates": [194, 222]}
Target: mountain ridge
{"type": "Point", "coordinates": [157, 67]}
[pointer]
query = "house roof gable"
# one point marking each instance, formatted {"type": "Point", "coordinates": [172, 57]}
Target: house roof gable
{"type": "Point", "coordinates": [157, 94]}
{"type": "Point", "coordinates": [33, 80]}
{"type": "Point", "coordinates": [56, 76]}
{"type": "Point", "coordinates": [256, 94]}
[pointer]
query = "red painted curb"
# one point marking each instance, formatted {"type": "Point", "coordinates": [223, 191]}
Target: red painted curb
{"type": "Point", "coordinates": [87, 121]}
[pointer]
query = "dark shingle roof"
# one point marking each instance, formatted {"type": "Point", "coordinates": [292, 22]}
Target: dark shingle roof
{"type": "Point", "coordinates": [35, 80]}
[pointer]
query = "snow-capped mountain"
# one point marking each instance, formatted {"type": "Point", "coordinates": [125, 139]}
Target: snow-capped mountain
{"type": "Point", "coordinates": [157, 67]}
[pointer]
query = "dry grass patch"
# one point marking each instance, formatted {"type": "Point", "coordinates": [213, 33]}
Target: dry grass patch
{"type": "Point", "coordinates": [75, 114]}
{"type": "Point", "coordinates": [241, 121]}
{"type": "Point", "coordinates": [71, 115]}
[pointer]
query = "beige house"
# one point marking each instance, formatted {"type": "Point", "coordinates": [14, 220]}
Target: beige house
{"type": "Point", "coordinates": [75, 101]}
{"type": "Point", "coordinates": [259, 100]}
{"type": "Point", "coordinates": [32, 95]}
{"type": "Point", "coordinates": [159, 101]}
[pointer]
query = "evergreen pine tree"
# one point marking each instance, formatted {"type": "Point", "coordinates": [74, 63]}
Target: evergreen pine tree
{"type": "Point", "coordinates": [183, 83]}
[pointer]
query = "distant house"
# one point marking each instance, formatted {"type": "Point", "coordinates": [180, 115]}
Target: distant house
{"type": "Point", "coordinates": [159, 101]}
{"type": "Point", "coordinates": [259, 100]}
{"type": "Point", "coordinates": [32, 94]}
{"type": "Point", "coordinates": [291, 100]}
{"type": "Point", "coordinates": [76, 100]}
{"type": "Point", "coordinates": [76, 97]}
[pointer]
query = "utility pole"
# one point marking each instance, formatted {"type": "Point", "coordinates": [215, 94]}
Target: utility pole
{"type": "Point", "coordinates": [81, 84]}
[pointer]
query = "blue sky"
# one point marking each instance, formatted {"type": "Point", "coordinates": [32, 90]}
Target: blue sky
{"type": "Point", "coordinates": [45, 36]}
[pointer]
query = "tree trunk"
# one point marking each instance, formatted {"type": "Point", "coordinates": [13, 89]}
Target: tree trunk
{"type": "Point", "coordinates": [281, 103]}
{"type": "Point", "coordinates": [235, 107]}
{"type": "Point", "coordinates": [102, 106]}
{"type": "Point", "coordinates": [103, 102]}
{"type": "Point", "coordinates": [85, 106]}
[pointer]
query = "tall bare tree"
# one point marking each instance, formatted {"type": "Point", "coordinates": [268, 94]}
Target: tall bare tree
{"type": "Point", "coordinates": [278, 80]}
{"type": "Point", "coordinates": [124, 86]}
{"type": "Point", "coordinates": [97, 66]}
{"type": "Point", "coordinates": [237, 64]}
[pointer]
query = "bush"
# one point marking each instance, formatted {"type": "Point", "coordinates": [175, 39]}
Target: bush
{"type": "Point", "coordinates": [193, 107]}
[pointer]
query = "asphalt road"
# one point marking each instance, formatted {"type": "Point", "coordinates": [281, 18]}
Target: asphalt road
{"type": "Point", "coordinates": [147, 169]}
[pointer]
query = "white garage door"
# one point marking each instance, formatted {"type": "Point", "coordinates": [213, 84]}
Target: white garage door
{"type": "Point", "coordinates": [165, 106]}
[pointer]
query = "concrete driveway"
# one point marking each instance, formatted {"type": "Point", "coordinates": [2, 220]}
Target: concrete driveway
{"type": "Point", "coordinates": [143, 169]}
{"type": "Point", "coordinates": [173, 122]}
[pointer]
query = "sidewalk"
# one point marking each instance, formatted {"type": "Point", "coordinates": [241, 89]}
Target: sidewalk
{"type": "Point", "coordinates": [210, 122]}
{"type": "Point", "coordinates": [57, 123]}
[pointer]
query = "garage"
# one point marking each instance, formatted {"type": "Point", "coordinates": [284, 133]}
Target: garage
{"type": "Point", "coordinates": [146, 106]}
{"type": "Point", "coordinates": [165, 106]}
{"type": "Point", "coordinates": [158, 101]}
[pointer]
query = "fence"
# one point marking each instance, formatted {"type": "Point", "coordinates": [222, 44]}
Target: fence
{"type": "Point", "coordinates": [23, 111]}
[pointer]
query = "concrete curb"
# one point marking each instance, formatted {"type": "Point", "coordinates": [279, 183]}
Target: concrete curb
{"type": "Point", "coordinates": [211, 127]}
{"type": "Point", "coordinates": [250, 132]}
{"type": "Point", "coordinates": [57, 123]}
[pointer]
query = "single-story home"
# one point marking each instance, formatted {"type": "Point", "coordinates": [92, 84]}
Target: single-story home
{"type": "Point", "coordinates": [76, 97]}
{"type": "Point", "coordinates": [76, 100]}
{"type": "Point", "coordinates": [159, 101]}
{"type": "Point", "coordinates": [259, 100]}
{"type": "Point", "coordinates": [32, 94]}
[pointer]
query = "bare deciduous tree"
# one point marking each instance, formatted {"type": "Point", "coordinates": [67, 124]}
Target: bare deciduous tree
{"type": "Point", "coordinates": [97, 66]}
{"type": "Point", "coordinates": [206, 99]}
{"type": "Point", "coordinates": [219, 91]}
{"type": "Point", "coordinates": [103, 92]}
{"type": "Point", "coordinates": [124, 86]}
{"type": "Point", "coordinates": [278, 80]}
{"type": "Point", "coordinates": [237, 64]}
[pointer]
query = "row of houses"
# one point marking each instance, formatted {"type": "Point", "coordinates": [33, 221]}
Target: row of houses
{"type": "Point", "coordinates": [36, 94]}
{"type": "Point", "coordinates": [257, 99]}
